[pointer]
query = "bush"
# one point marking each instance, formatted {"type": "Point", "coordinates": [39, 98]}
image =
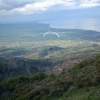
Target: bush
{"type": "Point", "coordinates": [38, 77]}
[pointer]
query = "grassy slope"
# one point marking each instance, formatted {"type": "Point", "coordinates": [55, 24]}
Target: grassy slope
{"type": "Point", "coordinates": [82, 82]}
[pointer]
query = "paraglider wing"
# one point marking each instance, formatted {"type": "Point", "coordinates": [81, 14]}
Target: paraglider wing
{"type": "Point", "coordinates": [56, 34]}
{"type": "Point", "coordinates": [46, 33]}
{"type": "Point", "coordinates": [52, 33]}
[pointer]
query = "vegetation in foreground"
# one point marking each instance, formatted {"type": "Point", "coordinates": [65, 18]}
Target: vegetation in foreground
{"type": "Point", "coordinates": [82, 82]}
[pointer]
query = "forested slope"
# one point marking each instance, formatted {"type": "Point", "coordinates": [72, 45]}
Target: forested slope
{"type": "Point", "coordinates": [82, 82]}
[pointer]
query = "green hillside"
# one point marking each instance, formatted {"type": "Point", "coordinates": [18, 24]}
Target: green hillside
{"type": "Point", "coordinates": [11, 68]}
{"type": "Point", "coordinates": [82, 82]}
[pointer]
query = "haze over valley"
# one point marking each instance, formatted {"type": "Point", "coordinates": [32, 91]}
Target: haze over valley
{"type": "Point", "coordinates": [37, 41]}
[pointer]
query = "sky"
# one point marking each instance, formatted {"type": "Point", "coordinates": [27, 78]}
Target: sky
{"type": "Point", "coordinates": [14, 11]}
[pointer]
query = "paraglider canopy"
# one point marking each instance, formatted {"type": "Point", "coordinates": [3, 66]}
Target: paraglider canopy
{"type": "Point", "coordinates": [51, 33]}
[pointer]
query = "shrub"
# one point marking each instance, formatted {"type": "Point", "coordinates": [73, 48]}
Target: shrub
{"type": "Point", "coordinates": [38, 77]}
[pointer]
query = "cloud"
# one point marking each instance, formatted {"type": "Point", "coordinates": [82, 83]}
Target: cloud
{"type": "Point", "coordinates": [89, 3]}
{"type": "Point", "coordinates": [37, 6]}
{"type": "Point", "coordinates": [43, 6]}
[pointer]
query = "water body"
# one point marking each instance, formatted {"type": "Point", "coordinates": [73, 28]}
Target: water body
{"type": "Point", "coordinates": [86, 24]}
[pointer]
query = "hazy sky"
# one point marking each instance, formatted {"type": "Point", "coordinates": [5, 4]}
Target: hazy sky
{"type": "Point", "coordinates": [41, 10]}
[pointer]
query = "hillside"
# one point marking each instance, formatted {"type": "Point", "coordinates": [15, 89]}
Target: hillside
{"type": "Point", "coordinates": [82, 82]}
{"type": "Point", "coordinates": [10, 68]}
